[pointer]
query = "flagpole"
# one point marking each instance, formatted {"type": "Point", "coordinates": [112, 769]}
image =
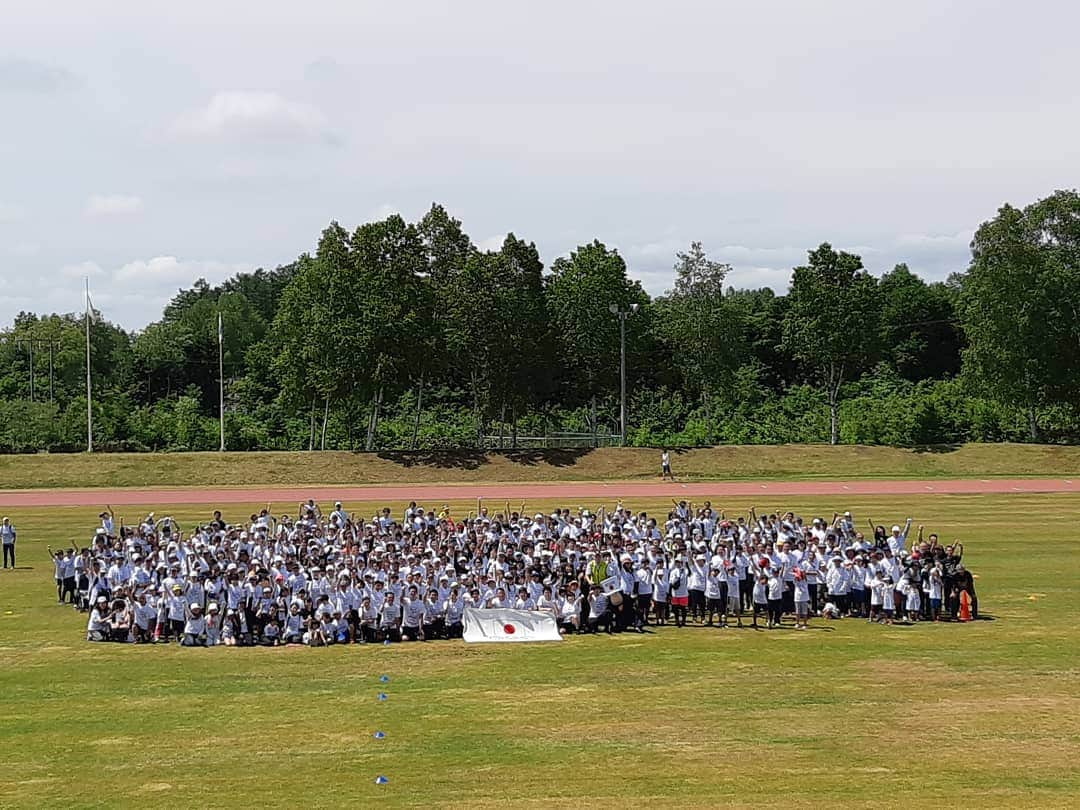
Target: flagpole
{"type": "Point", "coordinates": [89, 405]}
{"type": "Point", "coordinates": [221, 381]}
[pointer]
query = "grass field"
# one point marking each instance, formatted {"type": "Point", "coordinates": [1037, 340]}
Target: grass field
{"type": "Point", "coordinates": [982, 714]}
{"type": "Point", "coordinates": [464, 466]}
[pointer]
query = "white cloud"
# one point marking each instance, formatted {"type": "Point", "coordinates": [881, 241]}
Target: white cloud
{"type": "Point", "coordinates": [81, 270]}
{"type": "Point", "coordinates": [492, 243]}
{"type": "Point", "coordinates": [107, 205]}
{"type": "Point", "coordinates": [255, 115]}
{"type": "Point", "coordinates": [383, 211]}
{"type": "Point", "coordinates": [169, 270]}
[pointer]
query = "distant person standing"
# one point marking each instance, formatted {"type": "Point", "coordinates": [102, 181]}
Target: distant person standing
{"type": "Point", "coordinates": [7, 535]}
{"type": "Point", "coordinates": [665, 465]}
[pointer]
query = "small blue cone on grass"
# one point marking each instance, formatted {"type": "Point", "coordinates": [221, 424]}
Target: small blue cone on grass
{"type": "Point", "coordinates": [379, 735]}
{"type": "Point", "coordinates": [383, 696]}
{"type": "Point", "coordinates": [381, 780]}
{"type": "Point", "coordinates": [384, 678]}
{"type": "Point", "coordinates": [386, 643]}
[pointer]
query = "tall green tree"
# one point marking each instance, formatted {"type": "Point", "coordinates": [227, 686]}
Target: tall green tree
{"type": "Point", "coordinates": [700, 326]}
{"type": "Point", "coordinates": [578, 293]}
{"type": "Point", "coordinates": [832, 322]}
{"type": "Point", "coordinates": [920, 333]}
{"type": "Point", "coordinates": [1020, 305]}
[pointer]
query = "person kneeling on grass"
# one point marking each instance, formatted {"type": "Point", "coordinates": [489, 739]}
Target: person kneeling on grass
{"type": "Point", "coordinates": [97, 628]}
{"type": "Point", "coordinates": [293, 632]}
{"type": "Point", "coordinates": [194, 627]}
{"type": "Point", "coordinates": [120, 621]}
{"type": "Point", "coordinates": [599, 615]}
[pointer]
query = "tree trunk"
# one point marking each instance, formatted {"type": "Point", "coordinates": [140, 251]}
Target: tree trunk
{"type": "Point", "coordinates": [325, 417]}
{"type": "Point", "coordinates": [1033, 424]}
{"type": "Point", "coordinates": [834, 419]}
{"type": "Point", "coordinates": [708, 417]}
{"type": "Point", "coordinates": [419, 406]}
{"type": "Point", "coordinates": [592, 420]}
{"type": "Point", "coordinates": [311, 431]}
{"type": "Point", "coordinates": [502, 424]}
{"type": "Point", "coordinates": [513, 427]}
{"type": "Point", "coordinates": [476, 413]}
{"type": "Point", "coordinates": [373, 423]}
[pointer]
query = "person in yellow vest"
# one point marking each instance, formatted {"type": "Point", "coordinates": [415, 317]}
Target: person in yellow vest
{"type": "Point", "coordinates": [597, 569]}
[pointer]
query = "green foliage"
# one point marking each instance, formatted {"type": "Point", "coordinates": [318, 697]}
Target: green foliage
{"type": "Point", "coordinates": [394, 335]}
{"type": "Point", "coordinates": [1020, 304]}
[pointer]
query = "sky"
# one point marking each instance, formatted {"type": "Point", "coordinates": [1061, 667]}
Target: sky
{"type": "Point", "coordinates": [144, 145]}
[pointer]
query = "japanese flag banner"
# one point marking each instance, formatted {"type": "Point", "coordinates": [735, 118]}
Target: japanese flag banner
{"type": "Point", "coordinates": [611, 584]}
{"type": "Point", "coordinates": [503, 624]}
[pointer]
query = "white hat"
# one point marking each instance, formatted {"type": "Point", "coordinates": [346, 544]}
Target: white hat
{"type": "Point", "coordinates": [896, 528]}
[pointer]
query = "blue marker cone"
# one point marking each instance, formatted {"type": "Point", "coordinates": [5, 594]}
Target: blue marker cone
{"type": "Point", "coordinates": [383, 696]}
{"type": "Point", "coordinates": [386, 643]}
{"type": "Point", "coordinates": [381, 780]}
{"type": "Point", "coordinates": [379, 735]}
{"type": "Point", "coordinates": [384, 679]}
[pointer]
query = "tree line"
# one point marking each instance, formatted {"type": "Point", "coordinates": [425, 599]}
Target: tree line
{"type": "Point", "coordinates": [402, 335]}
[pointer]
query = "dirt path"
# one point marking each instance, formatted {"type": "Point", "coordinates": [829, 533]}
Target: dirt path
{"type": "Point", "coordinates": [428, 494]}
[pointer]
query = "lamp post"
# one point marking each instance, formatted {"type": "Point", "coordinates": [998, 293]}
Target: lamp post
{"type": "Point", "coordinates": [622, 315]}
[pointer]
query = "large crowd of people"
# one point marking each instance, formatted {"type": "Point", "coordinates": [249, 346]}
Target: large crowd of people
{"type": "Point", "coordinates": [321, 578]}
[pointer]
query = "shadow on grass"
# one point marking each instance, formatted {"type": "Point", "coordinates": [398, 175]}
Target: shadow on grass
{"type": "Point", "coordinates": [935, 448]}
{"type": "Point", "coordinates": [475, 459]}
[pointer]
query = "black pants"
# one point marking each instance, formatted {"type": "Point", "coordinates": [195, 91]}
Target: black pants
{"type": "Point", "coordinates": [813, 588]}
{"type": "Point", "coordinates": [788, 600]}
{"type": "Point", "coordinates": [9, 551]}
{"type": "Point", "coordinates": [68, 589]}
{"type": "Point", "coordinates": [746, 592]}
{"type": "Point", "coordinates": [776, 610]}
{"type": "Point", "coordinates": [596, 622]}
{"type": "Point", "coordinates": [644, 601]}
{"type": "Point", "coordinates": [697, 604]}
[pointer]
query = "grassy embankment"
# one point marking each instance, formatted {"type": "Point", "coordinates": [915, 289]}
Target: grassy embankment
{"type": "Point", "coordinates": [607, 464]}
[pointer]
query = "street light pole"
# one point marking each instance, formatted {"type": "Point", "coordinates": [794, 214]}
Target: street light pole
{"type": "Point", "coordinates": [622, 315]}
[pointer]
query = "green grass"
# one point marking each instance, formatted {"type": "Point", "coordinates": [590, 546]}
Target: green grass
{"type": "Point", "coordinates": [983, 714]}
{"type": "Point", "coordinates": [464, 466]}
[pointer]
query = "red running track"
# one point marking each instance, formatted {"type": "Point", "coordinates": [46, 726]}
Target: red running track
{"type": "Point", "coordinates": [429, 494]}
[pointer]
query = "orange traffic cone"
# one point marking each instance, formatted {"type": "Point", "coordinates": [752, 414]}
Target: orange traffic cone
{"type": "Point", "coordinates": [965, 607]}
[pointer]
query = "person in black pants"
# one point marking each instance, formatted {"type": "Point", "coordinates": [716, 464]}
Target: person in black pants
{"type": "Point", "coordinates": [7, 537]}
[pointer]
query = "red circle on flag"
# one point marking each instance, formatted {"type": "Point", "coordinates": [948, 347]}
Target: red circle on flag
{"type": "Point", "coordinates": [509, 629]}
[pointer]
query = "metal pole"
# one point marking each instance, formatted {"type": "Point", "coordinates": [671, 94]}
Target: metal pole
{"type": "Point", "coordinates": [52, 345]}
{"type": "Point", "coordinates": [221, 381]}
{"type": "Point", "coordinates": [89, 405]}
{"type": "Point", "coordinates": [622, 375]}
{"type": "Point", "coordinates": [30, 343]}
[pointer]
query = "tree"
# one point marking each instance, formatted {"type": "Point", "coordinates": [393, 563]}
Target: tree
{"type": "Point", "coordinates": [1020, 305]}
{"type": "Point", "coordinates": [832, 321]}
{"type": "Point", "coordinates": [578, 293]}
{"type": "Point", "coordinates": [920, 335]}
{"type": "Point", "coordinates": [700, 326]}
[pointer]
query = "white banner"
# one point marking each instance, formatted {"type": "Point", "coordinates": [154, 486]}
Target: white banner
{"type": "Point", "coordinates": [503, 624]}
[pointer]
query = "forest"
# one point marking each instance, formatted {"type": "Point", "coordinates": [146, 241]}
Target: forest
{"type": "Point", "coordinates": [399, 335]}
